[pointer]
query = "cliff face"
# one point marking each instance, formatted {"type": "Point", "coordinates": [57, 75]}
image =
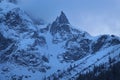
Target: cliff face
{"type": "Point", "coordinates": [55, 51]}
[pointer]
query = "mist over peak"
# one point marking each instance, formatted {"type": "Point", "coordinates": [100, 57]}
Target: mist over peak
{"type": "Point", "coordinates": [55, 51]}
{"type": "Point", "coordinates": [83, 14]}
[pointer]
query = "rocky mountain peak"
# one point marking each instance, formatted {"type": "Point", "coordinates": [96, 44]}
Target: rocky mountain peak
{"type": "Point", "coordinates": [34, 52]}
{"type": "Point", "coordinates": [62, 19]}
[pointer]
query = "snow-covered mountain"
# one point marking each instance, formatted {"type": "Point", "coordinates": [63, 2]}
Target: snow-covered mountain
{"type": "Point", "coordinates": [57, 51]}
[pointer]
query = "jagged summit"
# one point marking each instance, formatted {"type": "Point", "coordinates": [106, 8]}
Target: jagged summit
{"type": "Point", "coordinates": [62, 18]}
{"type": "Point", "coordinates": [60, 24]}
{"type": "Point", "coordinates": [33, 50]}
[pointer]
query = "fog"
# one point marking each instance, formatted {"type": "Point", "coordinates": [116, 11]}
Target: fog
{"type": "Point", "coordinates": [95, 16]}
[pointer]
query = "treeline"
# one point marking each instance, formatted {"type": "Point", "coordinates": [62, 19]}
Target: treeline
{"type": "Point", "coordinates": [102, 72]}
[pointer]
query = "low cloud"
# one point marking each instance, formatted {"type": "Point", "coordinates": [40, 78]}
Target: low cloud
{"type": "Point", "coordinates": [100, 24]}
{"type": "Point", "coordinates": [95, 16]}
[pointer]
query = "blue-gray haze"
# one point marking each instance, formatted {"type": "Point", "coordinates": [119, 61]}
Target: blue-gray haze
{"type": "Point", "coordinates": [95, 16]}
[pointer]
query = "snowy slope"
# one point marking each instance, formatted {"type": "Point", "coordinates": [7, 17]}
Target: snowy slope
{"type": "Point", "coordinates": [56, 51]}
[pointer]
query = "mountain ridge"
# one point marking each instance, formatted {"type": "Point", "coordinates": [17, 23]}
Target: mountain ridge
{"type": "Point", "coordinates": [48, 52]}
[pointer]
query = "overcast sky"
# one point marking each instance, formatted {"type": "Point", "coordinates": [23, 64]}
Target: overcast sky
{"type": "Point", "coordinates": [94, 16]}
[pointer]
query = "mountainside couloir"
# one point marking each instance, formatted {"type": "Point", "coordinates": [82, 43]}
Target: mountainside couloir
{"type": "Point", "coordinates": [56, 51]}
